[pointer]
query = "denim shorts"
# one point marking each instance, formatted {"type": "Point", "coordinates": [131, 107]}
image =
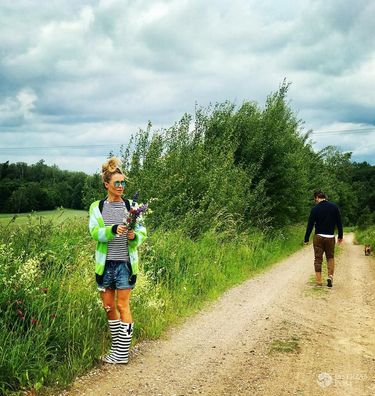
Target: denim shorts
{"type": "Point", "coordinates": [116, 276]}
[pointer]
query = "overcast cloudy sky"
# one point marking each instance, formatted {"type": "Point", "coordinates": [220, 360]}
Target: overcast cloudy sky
{"type": "Point", "coordinates": [90, 73]}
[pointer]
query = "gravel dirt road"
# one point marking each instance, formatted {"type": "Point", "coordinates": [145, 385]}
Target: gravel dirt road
{"type": "Point", "coordinates": [275, 334]}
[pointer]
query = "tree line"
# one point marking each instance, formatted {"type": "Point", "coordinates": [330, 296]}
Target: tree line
{"type": "Point", "coordinates": [225, 167]}
{"type": "Point", "coordinates": [24, 188]}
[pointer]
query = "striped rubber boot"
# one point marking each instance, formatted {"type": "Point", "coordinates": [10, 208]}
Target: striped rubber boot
{"type": "Point", "coordinates": [121, 354]}
{"type": "Point", "coordinates": [114, 327]}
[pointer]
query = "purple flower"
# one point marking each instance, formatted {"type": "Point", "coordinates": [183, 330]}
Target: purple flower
{"type": "Point", "coordinates": [135, 198]}
{"type": "Point", "coordinates": [134, 214]}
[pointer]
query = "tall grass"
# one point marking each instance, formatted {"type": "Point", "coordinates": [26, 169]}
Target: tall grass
{"type": "Point", "coordinates": [53, 327]}
{"type": "Point", "coordinates": [366, 236]}
{"type": "Point", "coordinates": [48, 304]}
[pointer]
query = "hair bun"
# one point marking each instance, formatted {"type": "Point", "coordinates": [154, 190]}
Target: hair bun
{"type": "Point", "coordinates": [111, 165]}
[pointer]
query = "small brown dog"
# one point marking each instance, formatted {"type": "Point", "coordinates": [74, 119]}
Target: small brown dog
{"type": "Point", "coordinates": [367, 250]}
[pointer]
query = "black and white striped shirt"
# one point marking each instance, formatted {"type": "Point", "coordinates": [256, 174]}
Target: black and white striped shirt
{"type": "Point", "coordinates": [114, 213]}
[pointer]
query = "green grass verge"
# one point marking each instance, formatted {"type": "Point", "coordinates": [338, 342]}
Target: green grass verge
{"type": "Point", "coordinates": [53, 327]}
{"type": "Point", "coordinates": [57, 215]}
{"type": "Point", "coordinates": [349, 229]}
{"type": "Point", "coordinates": [366, 236]}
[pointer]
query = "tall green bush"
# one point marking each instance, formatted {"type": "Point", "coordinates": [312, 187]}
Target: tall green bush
{"type": "Point", "coordinates": [247, 164]}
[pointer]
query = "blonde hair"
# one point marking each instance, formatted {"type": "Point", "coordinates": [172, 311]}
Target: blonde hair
{"type": "Point", "coordinates": [111, 167]}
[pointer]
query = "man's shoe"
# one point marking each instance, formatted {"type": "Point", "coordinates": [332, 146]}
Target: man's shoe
{"type": "Point", "coordinates": [329, 282]}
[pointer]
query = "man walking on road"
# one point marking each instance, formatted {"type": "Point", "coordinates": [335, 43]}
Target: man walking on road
{"type": "Point", "coordinates": [325, 216]}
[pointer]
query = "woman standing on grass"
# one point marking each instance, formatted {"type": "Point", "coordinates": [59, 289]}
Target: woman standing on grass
{"type": "Point", "coordinates": [116, 258]}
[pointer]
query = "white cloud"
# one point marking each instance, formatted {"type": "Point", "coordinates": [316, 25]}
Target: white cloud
{"type": "Point", "coordinates": [26, 99]}
{"type": "Point", "coordinates": [17, 109]}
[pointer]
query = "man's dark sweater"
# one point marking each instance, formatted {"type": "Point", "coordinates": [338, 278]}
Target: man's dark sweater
{"type": "Point", "coordinates": [326, 216]}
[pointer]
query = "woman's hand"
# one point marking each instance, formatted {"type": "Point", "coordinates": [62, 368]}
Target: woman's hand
{"type": "Point", "coordinates": [121, 229]}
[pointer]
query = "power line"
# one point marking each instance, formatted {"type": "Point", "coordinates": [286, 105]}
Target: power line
{"type": "Point", "coordinates": [80, 146]}
{"type": "Point", "coordinates": [353, 131]}
{"type": "Point", "coordinates": [345, 131]}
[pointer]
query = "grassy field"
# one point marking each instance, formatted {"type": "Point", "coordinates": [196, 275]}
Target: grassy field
{"type": "Point", "coordinates": [57, 215]}
{"type": "Point", "coordinates": [53, 327]}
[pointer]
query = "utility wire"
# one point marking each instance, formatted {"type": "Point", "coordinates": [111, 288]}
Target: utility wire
{"type": "Point", "coordinates": [353, 131]}
{"type": "Point", "coordinates": [345, 131]}
{"type": "Point", "coordinates": [80, 146]}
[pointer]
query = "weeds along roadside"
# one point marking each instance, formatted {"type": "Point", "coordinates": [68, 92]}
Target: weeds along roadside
{"type": "Point", "coordinates": [366, 236]}
{"type": "Point", "coordinates": [48, 305]}
{"type": "Point", "coordinates": [53, 327]}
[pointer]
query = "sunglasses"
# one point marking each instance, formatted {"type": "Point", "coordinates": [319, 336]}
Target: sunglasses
{"type": "Point", "coordinates": [119, 183]}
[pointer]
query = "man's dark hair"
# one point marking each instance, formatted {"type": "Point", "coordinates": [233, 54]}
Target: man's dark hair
{"type": "Point", "coordinates": [319, 194]}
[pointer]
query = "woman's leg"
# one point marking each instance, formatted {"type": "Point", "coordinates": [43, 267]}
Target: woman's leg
{"type": "Point", "coordinates": [109, 304]}
{"type": "Point", "coordinates": [121, 354]}
{"type": "Point", "coordinates": [123, 305]}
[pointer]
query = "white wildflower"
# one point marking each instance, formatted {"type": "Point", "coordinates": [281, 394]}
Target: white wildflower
{"type": "Point", "coordinates": [27, 275]}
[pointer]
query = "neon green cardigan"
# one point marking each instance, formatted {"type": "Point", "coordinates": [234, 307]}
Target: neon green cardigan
{"type": "Point", "coordinates": [102, 234]}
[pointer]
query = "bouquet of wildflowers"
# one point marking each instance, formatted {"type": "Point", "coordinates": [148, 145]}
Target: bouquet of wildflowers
{"type": "Point", "coordinates": [135, 213]}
